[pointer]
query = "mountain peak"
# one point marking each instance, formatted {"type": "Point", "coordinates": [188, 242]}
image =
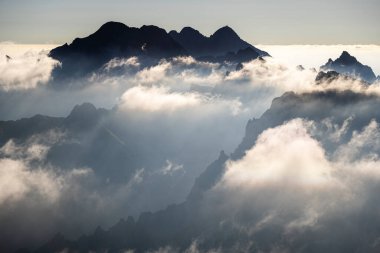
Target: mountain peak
{"type": "Point", "coordinates": [84, 116]}
{"type": "Point", "coordinates": [80, 110]}
{"type": "Point", "coordinates": [348, 65]}
{"type": "Point", "coordinates": [222, 156]}
{"type": "Point", "coordinates": [346, 59]}
{"type": "Point", "coordinates": [116, 40]}
{"type": "Point", "coordinates": [224, 32]}
{"type": "Point", "coordinates": [152, 28]}
{"type": "Point", "coordinates": [189, 34]}
{"type": "Point", "coordinates": [112, 26]}
{"type": "Point", "coordinates": [188, 29]}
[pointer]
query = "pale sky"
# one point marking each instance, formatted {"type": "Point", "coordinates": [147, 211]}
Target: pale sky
{"type": "Point", "coordinates": [257, 21]}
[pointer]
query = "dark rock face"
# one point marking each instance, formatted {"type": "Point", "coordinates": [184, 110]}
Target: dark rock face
{"type": "Point", "coordinates": [112, 40]}
{"type": "Point", "coordinates": [243, 55]}
{"type": "Point", "coordinates": [23, 128]}
{"type": "Point", "coordinates": [349, 65]}
{"type": "Point", "coordinates": [84, 117]}
{"type": "Point", "coordinates": [224, 41]}
{"type": "Point", "coordinates": [116, 40]}
{"type": "Point", "coordinates": [195, 43]}
{"type": "Point", "coordinates": [328, 76]}
{"type": "Point", "coordinates": [209, 177]}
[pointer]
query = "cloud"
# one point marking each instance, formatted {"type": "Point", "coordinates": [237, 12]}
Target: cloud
{"type": "Point", "coordinates": [254, 86]}
{"type": "Point", "coordinates": [314, 56]}
{"type": "Point", "coordinates": [176, 117]}
{"type": "Point", "coordinates": [157, 99]}
{"type": "Point", "coordinates": [17, 181]}
{"type": "Point", "coordinates": [161, 99]}
{"type": "Point", "coordinates": [171, 168]}
{"type": "Point", "coordinates": [364, 144]}
{"type": "Point", "coordinates": [122, 62]}
{"type": "Point", "coordinates": [273, 74]}
{"type": "Point", "coordinates": [33, 191]}
{"type": "Point", "coordinates": [193, 248]}
{"type": "Point", "coordinates": [279, 78]}
{"type": "Point", "coordinates": [26, 71]}
{"type": "Point", "coordinates": [23, 172]}
{"type": "Point", "coordinates": [289, 184]}
{"type": "Point", "coordinates": [276, 159]}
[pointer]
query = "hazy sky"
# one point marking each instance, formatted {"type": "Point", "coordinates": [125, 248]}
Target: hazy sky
{"type": "Point", "coordinates": [257, 21]}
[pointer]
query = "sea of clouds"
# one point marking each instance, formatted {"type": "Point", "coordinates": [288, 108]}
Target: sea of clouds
{"type": "Point", "coordinates": [192, 110]}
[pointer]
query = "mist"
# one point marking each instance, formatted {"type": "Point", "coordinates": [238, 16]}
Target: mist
{"type": "Point", "coordinates": [151, 131]}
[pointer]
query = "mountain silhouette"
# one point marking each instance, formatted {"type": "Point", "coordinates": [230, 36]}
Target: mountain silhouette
{"type": "Point", "coordinates": [113, 39]}
{"type": "Point", "coordinates": [349, 65]}
{"type": "Point", "coordinates": [117, 40]}
{"type": "Point", "coordinates": [223, 41]}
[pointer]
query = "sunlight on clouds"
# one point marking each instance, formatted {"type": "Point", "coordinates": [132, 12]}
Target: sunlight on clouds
{"type": "Point", "coordinates": [290, 155]}
{"type": "Point", "coordinates": [284, 155]}
{"type": "Point", "coordinates": [286, 181]}
{"type": "Point", "coordinates": [25, 71]}
{"type": "Point", "coordinates": [157, 99]}
{"type": "Point", "coordinates": [24, 173]}
{"type": "Point", "coordinates": [161, 99]}
{"type": "Point", "coordinates": [313, 56]}
{"type": "Point", "coordinates": [16, 50]}
{"type": "Point", "coordinates": [121, 62]}
{"type": "Point", "coordinates": [17, 181]}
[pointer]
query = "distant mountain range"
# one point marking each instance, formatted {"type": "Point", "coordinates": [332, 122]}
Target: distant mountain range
{"type": "Point", "coordinates": [179, 224]}
{"type": "Point", "coordinates": [152, 43]}
{"type": "Point", "coordinates": [223, 42]}
{"type": "Point", "coordinates": [349, 65]}
{"type": "Point", "coordinates": [114, 39]}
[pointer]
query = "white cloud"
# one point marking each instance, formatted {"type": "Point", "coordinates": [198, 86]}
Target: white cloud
{"type": "Point", "coordinates": [26, 71]}
{"type": "Point", "coordinates": [287, 179]}
{"type": "Point", "coordinates": [313, 56]}
{"type": "Point", "coordinates": [170, 168]}
{"type": "Point", "coordinates": [154, 74]}
{"type": "Point", "coordinates": [161, 99]}
{"type": "Point", "coordinates": [17, 181]}
{"type": "Point", "coordinates": [157, 99]}
{"type": "Point", "coordinates": [254, 86]}
{"type": "Point", "coordinates": [285, 155]}
{"type": "Point", "coordinates": [44, 186]}
{"type": "Point", "coordinates": [23, 173]}
{"type": "Point", "coordinates": [368, 139]}
{"type": "Point", "coordinates": [280, 78]}
{"type": "Point", "coordinates": [122, 63]}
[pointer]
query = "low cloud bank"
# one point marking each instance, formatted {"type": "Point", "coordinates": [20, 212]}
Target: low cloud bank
{"type": "Point", "coordinates": [314, 56]}
{"type": "Point", "coordinates": [26, 71]}
{"type": "Point", "coordinates": [287, 183]}
{"type": "Point", "coordinates": [176, 117]}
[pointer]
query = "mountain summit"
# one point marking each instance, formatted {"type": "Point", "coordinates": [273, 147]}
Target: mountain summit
{"type": "Point", "coordinates": [113, 39]}
{"type": "Point", "coordinates": [225, 40]}
{"type": "Point", "coordinates": [348, 65]}
{"type": "Point", "coordinates": [117, 40]}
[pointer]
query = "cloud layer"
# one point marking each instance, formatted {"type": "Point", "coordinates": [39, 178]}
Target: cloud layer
{"type": "Point", "coordinates": [25, 71]}
{"type": "Point", "coordinates": [166, 123]}
{"type": "Point", "coordinates": [288, 185]}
